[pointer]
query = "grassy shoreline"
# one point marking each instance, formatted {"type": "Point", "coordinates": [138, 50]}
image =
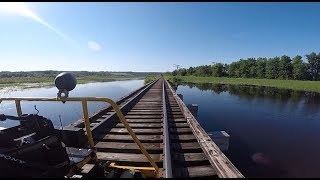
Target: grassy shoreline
{"type": "Point", "coordinates": [313, 86]}
{"type": "Point", "coordinates": [35, 82]}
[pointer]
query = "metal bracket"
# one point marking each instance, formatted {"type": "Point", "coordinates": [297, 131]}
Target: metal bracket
{"type": "Point", "coordinates": [63, 91]}
{"type": "Point", "coordinates": [84, 101]}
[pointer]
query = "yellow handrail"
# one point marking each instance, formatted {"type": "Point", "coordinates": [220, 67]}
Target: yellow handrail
{"type": "Point", "coordinates": [84, 101]}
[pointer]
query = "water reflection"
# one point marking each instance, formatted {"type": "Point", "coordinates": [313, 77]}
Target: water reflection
{"type": "Point", "coordinates": [70, 111]}
{"type": "Point", "coordinates": [272, 131]}
{"type": "Point", "coordinates": [311, 100]}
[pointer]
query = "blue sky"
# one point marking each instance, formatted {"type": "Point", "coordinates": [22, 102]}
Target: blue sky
{"type": "Point", "coordinates": [151, 36]}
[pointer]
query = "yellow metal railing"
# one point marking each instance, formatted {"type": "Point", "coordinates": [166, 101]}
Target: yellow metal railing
{"type": "Point", "coordinates": [84, 101]}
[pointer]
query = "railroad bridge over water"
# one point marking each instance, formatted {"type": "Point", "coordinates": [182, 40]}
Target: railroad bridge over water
{"type": "Point", "coordinates": [166, 128]}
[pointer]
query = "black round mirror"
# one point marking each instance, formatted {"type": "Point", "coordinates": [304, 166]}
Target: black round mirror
{"type": "Point", "coordinates": [65, 81]}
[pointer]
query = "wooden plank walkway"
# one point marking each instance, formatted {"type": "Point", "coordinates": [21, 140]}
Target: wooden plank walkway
{"type": "Point", "coordinates": [193, 153]}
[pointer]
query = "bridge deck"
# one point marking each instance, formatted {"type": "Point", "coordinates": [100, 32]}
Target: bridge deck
{"type": "Point", "coordinates": [193, 153]}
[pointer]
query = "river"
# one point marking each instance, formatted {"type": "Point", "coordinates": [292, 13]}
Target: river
{"type": "Point", "coordinates": [273, 132]}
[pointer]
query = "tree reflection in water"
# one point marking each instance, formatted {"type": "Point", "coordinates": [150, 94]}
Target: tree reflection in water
{"type": "Point", "coordinates": [311, 100]}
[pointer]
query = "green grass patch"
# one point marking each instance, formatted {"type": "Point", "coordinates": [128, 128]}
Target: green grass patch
{"type": "Point", "coordinates": [87, 79]}
{"type": "Point", "coordinates": [148, 79]}
{"type": "Point", "coordinates": [313, 86]}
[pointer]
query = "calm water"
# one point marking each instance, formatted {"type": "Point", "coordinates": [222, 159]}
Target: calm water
{"type": "Point", "coordinates": [70, 111]}
{"type": "Point", "coordinates": [273, 133]}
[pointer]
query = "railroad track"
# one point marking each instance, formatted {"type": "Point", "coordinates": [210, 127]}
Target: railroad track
{"type": "Point", "coordinates": [156, 117]}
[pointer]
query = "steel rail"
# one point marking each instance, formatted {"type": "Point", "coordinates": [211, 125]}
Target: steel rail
{"type": "Point", "coordinates": [166, 138]}
{"type": "Point", "coordinates": [135, 97]}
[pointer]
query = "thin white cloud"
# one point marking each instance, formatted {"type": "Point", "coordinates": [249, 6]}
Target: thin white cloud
{"type": "Point", "coordinates": [20, 8]}
{"type": "Point", "coordinates": [94, 46]}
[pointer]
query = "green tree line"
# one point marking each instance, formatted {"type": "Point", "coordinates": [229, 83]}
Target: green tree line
{"type": "Point", "coordinates": [282, 67]}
